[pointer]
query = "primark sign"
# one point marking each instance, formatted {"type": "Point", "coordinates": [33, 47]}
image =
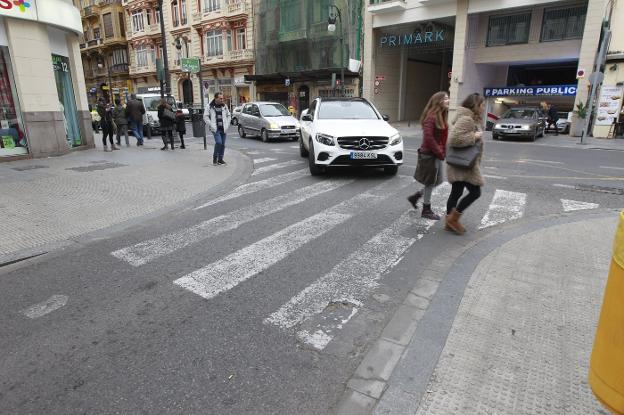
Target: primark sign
{"type": "Point", "coordinates": [412, 39]}
{"type": "Point", "coordinates": [531, 91]}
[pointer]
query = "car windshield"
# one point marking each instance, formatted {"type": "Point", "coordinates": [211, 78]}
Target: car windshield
{"type": "Point", "coordinates": [520, 114]}
{"type": "Point", "coordinates": [346, 110]}
{"type": "Point", "coordinates": [273, 110]}
{"type": "Point", "coordinates": [151, 103]}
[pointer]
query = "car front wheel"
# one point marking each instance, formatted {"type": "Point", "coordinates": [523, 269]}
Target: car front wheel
{"type": "Point", "coordinates": [241, 131]}
{"type": "Point", "coordinates": [302, 150]}
{"type": "Point", "coordinates": [315, 169]}
{"type": "Point", "coordinates": [264, 134]}
{"type": "Point", "coordinates": [234, 121]}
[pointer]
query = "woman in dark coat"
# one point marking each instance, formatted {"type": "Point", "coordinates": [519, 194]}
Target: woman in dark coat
{"type": "Point", "coordinates": [181, 126]}
{"type": "Point", "coordinates": [166, 117]}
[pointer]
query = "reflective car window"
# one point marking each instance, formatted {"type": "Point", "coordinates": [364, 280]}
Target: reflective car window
{"type": "Point", "coordinates": [520, 114]}
{"type": "Point", "coordinates": [346, 110]}
{"type": "Point", "coordinates": [273, 110]}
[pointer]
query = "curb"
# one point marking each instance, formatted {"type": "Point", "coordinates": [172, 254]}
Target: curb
{"type": "Point", "coordinates": [418, 312]}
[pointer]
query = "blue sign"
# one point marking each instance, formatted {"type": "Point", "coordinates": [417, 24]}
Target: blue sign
{"type": "Point", "coordinates": [411, 39]}
{"type": "Point", "coordinates": [531, 91]}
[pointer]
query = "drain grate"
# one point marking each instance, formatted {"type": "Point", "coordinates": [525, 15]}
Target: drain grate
{"type": "Point", "coordinates": [99, 166]}
{"type": "Point", "coordinates": [33, 167]}
{"type": "Point", "coordinates": [600, 189]}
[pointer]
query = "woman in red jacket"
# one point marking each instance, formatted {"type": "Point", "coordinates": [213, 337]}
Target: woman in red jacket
{"type": "Point", "coordinates": [432, 151]}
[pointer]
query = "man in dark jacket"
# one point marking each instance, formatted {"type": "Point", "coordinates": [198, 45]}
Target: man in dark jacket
{"type": "Point", "coordinates": [135, 111]}
{"type": "Point", "coordinates": [106, 115]}
{"type": "Point", "coordinates": [553, 117]}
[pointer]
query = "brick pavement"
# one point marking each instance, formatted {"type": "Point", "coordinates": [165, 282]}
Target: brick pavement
{"type": "Point", "coordinates": [48, 201]}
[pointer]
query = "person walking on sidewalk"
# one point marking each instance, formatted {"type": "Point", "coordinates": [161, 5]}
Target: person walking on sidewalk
{"type": "Point", "coordinates": [166, 117]}
{"type": "Point", "coordinates": [553, 117]}
{"type": "Point", "coordinates": [106, 122]}
{"type": "Point", "coordinates": [431, 152]}
{"type": "Point", "coordinates": [466, 131]}
{"type": "Point", "coordinates": [121, 121]}
{"type": "Point", "coordinates": [180, 122]}
{"type": "Point", "coordinates": [135, 111]}
{"type": "Point", "coordinates": [218, 118]}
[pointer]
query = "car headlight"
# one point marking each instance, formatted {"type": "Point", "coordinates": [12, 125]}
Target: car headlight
{"type": "Point", "coordinates": [526, 127]}
{"type": "Point", "coordinates": [497, 126]}
{"type": "Point", "coordinates": [274, 126]}
{"type": "Point", "coordinates": [328, 140]}
{"type": "Point", "coordinates": [396, 139]}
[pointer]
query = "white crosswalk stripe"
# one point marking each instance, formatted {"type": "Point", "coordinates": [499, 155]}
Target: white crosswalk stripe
{"type": "Point", "coordinates": [263, 160]}
{"type": "Point", "coordinates": [506, 206]}
{"type": "Point", "coordinates": [352, 280]}
{"type": "Point", "coordinates": [258, 186]}
{"type": "Point", "coordinates": [239, 266]}
{"type": "Point", "coordinates": [573, 205]}
{"type": "Point", "coordinates": [277, 166]}
{"type": "Point", "coordinates": [144, 252]}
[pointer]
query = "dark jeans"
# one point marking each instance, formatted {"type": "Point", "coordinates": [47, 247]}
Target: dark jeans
{"type": "Point", "coordinates": [122, 129]}
{"type": "Point", "coordinates": [457, 190]}
{"type": "Point", "coordinates": [167, 134]}
{"type": "Point", "coordinates": [137, 128]}
{"type": "Point", "coordinates": [219, 148]}
{"type": "Point", "coordinates": [107, 130]}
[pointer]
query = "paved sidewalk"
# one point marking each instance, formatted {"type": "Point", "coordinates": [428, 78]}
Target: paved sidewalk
{"type": "Point", "coordinates": [520, 340]}
{"type": "Point", "coordinates": [46, 202]}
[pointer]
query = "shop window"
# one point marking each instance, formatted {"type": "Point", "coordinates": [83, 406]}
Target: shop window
{"type": "Point", "coordinates": [109, 31]}
{"type": "Point", "coordinates": [13, 140]}
{"type": "Point", "coordinates": [241, 38]}
{"type": "Point", "coordinates": [563, 24]}
{"type": "Point", "coordinates": [508, 30]}
{"type": "Point", "coordinates": [67, 100]}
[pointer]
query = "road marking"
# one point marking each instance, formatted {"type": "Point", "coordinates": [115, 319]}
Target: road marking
{"type": "Point", "coordinates": [294, 147]}
{"type": "Point", "coordinates": [254, 152]}
{"type": "Point", "coordinates": [257, 186]}
{"type": "Point", "coordinates": [505, 206]}
{"type": "Point", "coordinates": [572, 205]}
{"type": "Point", "coordinates": [227, 273]}
{"type": "Point", "coordinates": [144, 252]}
{"type": "Point", "coordinates": [51, 304]}
{"type": "Point", "coordinates": [277, 166]}
{"type": "Point", "coordinates": [263, 160]}
{"type": "Point", "coordinates": [564, 186]}
{"type": "Point", "coordinates": [352, 280]}
{"type": "Point", "coordinates": [612, 168]}
{"type": "Point", "coordinates": [491, 176]}
{"type": "Point", "coordinates": [540, 161]}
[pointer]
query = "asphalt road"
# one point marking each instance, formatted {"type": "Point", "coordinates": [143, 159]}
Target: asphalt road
{"type": "Point", "coordinates": [261, 302]}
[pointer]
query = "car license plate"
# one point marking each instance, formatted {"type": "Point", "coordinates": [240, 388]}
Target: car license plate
{"type": "Point", "coordinates": [366, 155]}
{"type": "Point", "coordinates": [510, 130]}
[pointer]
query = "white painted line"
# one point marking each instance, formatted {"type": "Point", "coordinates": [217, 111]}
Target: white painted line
{"type": "Point", "coordinates": [541, 161]}
{"type": "Point", "coordinates": [505, 206]}
{"type": "Point", "coordinates": [254, 152]}
{"type": "Point", "coordinates": [227, 273]}
{"type": "Point", "coordinates": [144, 252]}
{"type": "Point", "coordinates": [263, 160]}
{"type": "Point", "coordinates": [564, 186]}
{"type": "Point", "coordinates": [491, 176]}
{"type": "Point", "coordinates": [277, 166]}
{"type": "Point", "coordinates": [490, 168]}
{"type": "Point", "coordinates": [51, 304]}
{"type": "Point", "coordinates": [612, 168]}
{"type": "Point", "coordinates": [294, 147]}
{"type": "Point", "coordinates": [353, 279]}
{"type": "Point", "coordinates": [572, 205]}
{"type": "Point", "coordinates": [257, 186]}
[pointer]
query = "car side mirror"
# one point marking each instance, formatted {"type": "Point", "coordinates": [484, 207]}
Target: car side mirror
{"type": "Point", "coordinates": [385, 118]}
{"type": "Point", "coordinates": [307, 117]}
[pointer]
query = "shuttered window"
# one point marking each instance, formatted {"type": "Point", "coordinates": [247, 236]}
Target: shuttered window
{"type": "Point", "coordinates": [109, 31]}
{"type": "Point", "coordinates": [563, 24]}
{"type": "Point", "coordinates": [508, 30]}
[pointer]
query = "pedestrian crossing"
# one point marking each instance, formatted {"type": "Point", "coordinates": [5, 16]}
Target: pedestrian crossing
{"type": "Point", "coordinates": [318, 310]}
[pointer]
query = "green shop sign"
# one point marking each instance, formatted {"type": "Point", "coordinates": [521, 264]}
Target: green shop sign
{"type": "Point", "coordinates": [190, 65]}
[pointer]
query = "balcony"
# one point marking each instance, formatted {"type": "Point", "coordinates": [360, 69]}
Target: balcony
{"type": "Point", "coordinates": [94, 43]}
{"type": "Point", "coordinates": [386, 6]}
{"type": "Point", "coordinates": [90, 11]}
{"type": "Point", "coordinates": [239, 55]}
{"type": "Point", "coordinates": [138, 70]}
{"type": "Point", "coordinates": [152, 30]}
{"type": "Point", "coordinates": [293, 35]}
{"type": "Point", "coordinates": [235, 7]}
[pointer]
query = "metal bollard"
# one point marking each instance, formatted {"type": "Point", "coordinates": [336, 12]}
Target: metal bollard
{"type": "Point", "coordinates": [606, 368]}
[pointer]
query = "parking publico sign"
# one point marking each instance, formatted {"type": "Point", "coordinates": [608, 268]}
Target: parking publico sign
{"type": "Point", "coordinates": [534, 91]}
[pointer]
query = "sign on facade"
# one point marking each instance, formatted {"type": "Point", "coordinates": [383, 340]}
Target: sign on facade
{"type": "Point", "coordinates": [534, 91]}
{"type": "Point", "coordinates": [411, 39]}
{"type": "Point", "coordinates": [609, 104]}
{"type": "Point", "coordinates": [190, 65]}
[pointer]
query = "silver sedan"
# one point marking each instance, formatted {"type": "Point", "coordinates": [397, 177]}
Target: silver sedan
{"type": "Point", "coordinates": [269, 121]}
{"type": "Point", "coordinates": [520, 122]}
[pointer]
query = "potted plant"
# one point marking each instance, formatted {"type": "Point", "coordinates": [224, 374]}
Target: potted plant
{"type": "Point", "coordinates": [578, 120]}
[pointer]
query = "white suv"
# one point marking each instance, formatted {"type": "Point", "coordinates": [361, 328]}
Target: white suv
{"type": "Point", "coordinates": [348, 132]}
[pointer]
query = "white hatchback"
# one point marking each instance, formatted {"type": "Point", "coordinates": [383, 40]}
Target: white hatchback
{"type": "Point", "coordinates": [337, 132]}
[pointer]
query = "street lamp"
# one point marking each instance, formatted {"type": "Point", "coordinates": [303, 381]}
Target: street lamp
{"type": "Point", "coordinates": [331, 27]}
{"type": "Point", "coordinates": [100, 65]}
{"type": "Point", "coordinates": [163, 40]}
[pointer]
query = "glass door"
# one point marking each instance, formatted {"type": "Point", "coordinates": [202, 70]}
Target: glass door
{"type": "Point", "coordinates": [67, 101]}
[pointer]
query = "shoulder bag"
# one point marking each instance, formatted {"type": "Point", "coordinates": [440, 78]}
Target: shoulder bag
{"type": "Point", "coordinates": [464, 157]}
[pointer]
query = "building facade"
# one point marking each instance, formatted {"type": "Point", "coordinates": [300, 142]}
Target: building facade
{"type": "Point", "coordinates": [42, 89]}
{"type": "Point", "coordinates": [296, 54]}
{"type": "Point", "coordinates": [218, 32]}
{"type": "Point", "coordinates": [515, 53]}
{"type": "Point", "coordinates": [104, 49]}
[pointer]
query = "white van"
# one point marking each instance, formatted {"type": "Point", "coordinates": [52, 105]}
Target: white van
{"type": "Point", "coordinates": [150, 119]}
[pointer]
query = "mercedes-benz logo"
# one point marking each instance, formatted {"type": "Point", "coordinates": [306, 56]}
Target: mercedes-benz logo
{"type": "Point", "coordinates": [364, 143]}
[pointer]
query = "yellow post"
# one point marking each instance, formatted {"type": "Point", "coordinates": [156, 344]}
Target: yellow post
{"type": "Point", "coordinates": [606, 368]}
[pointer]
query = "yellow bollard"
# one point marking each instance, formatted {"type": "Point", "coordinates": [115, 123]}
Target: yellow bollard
{"type": "Point", "coordinates": [606, 368]}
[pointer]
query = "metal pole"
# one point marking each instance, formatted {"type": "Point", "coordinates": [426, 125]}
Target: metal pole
{"type": "Point", "coordinates": [163, 39]}
{"type": "Point", "coordinates": [201, 94]}
{"type": "Point", "coordinates": [110, 85]}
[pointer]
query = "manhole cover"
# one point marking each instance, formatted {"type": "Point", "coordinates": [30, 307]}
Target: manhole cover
{"type": "Point", "coordinates": [600, 189]}
{"type": "Point", "coordinates": [33, 167]}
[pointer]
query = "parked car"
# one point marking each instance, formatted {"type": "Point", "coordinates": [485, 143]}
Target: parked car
{"type": "Point", "coordinates": [269, 121]}
{"type": "Point", "coordinates": [348, 132]}
{"type": "Point", "coordinates": [236, 114]}
{"type": "Point", "coordinates": [521, 122]}
{"type": "Point", "coordinates": [150, 119]}
{"type": "Point", "coordinates": [564, 122]}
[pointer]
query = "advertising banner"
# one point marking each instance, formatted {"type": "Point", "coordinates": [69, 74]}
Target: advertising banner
{"type": "Point", "coordinates": [609, 104]}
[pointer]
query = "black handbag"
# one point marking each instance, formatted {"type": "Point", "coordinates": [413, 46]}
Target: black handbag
{"type": "Point", "coordinates": [464, 157]}
{"type": "Point", "coordinates": [167, 113]}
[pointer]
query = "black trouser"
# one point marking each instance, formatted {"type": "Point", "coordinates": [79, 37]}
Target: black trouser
{"type": "Point", "coordinates": [107, 130]}
{"type": "Point", "coordinates": [474, 192]}
{"type": "Point", "coordinates": [167, 134]}
{"type": "Point", "coordinates": [181, 139]}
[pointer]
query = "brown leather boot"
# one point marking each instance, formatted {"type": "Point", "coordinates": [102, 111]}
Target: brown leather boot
{"type": "Point", "coordinates": [428, 213]}
{"type": "Point", "coordinates": [413, 199]}
{"type": "Point", "coordinates": [452, 222]}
